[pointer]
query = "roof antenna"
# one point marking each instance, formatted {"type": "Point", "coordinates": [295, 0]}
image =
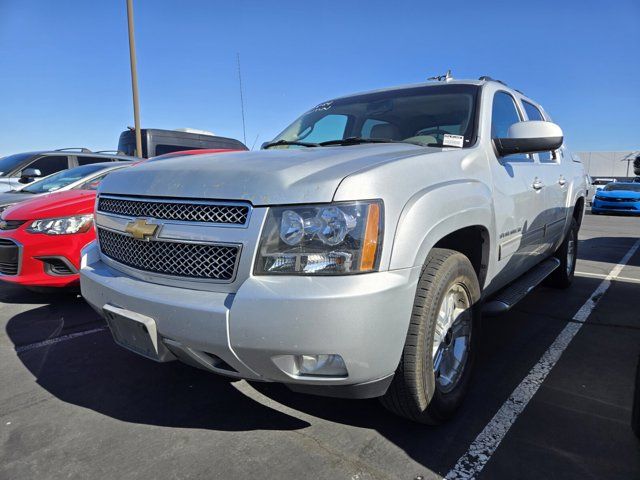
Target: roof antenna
{"type": "Point", "coordinates": [442, 78]}
{"type": "Point", "coordinates": [244, 128]}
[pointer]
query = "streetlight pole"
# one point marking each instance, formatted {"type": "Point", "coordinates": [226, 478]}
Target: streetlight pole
{"type": "Point", "coordinates": [134, 78]}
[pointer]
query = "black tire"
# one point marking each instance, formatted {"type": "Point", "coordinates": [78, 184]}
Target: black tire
{"type": "Point", "coordinates": [415, 392]}
{"type": "Point", "coordinates": [563, 275]}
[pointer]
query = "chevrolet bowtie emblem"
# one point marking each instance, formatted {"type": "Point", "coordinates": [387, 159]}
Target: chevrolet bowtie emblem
{"type": "Point", "coordinates": [140, 229]}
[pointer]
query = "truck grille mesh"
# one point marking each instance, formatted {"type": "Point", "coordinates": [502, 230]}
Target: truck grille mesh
{"type": "Point", "coordinates": [188, 212]}
{"type": "Point", "coordinates": [214, 262]}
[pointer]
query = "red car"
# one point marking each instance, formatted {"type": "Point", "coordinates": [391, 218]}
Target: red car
{"type": "Point", "coordinates": [41, 239]}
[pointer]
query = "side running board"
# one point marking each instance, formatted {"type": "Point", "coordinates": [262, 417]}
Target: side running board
{"type": "Point", "coordinates": [516, 291]}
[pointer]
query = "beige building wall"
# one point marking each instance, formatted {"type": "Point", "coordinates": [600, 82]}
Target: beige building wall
{"type": "Point", "coordinates": [609, 164]}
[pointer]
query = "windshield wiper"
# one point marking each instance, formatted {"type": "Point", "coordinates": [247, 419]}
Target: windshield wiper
{"type": "Point", "coordinates": [357, 140]}
{"type": "Point", "coordinates": [290, 142]}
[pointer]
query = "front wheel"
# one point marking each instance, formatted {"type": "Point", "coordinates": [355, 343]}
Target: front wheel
{"type": "Point", "coordinates": [436, 364]}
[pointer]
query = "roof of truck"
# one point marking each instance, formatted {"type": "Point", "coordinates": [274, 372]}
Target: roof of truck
{"type": "Point", "coordinates": [483, 81]}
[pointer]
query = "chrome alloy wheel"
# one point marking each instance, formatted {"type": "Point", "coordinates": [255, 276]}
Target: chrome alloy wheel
{"type": "Point", "coordinates": [452, 337]}
{"type": "Point", "coordinates": [571, 253]}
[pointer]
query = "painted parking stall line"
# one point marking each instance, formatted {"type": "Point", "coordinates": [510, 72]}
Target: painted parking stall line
{"type": "Point", "coordinates": [52, 341]}
{"type": "Point", "coordinates": [486, 443]}
{"type": "Point", "coordinates": [601, 275]}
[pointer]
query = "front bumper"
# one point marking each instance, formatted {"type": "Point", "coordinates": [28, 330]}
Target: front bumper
{"type": "Point", "coordinates": [363, 318]}
{"type": "Point", "coordinates": [36, 251]}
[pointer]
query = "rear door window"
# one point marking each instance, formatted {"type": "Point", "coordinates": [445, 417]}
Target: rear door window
{"type": "Point", "coordinates": [50, 164]}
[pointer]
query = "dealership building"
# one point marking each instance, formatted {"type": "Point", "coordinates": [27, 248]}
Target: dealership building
{"type": "Point", "coordinates": [617, 165]}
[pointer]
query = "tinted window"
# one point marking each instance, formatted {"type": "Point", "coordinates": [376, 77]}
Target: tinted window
{"type": "Point", "coordinates": [90, 160]}
{"type": "Point", "coordinates": [503, 115]}
{"type": "Point", "coordinates": [63, 178]}
{"type": "Point", "coordinates": [127, 143]}
{"type": "Point", "coordinates": [422, 115]}
{"type": "Point", "coordinates": [162, 149]}
{"type": "Point", "coordinates": [534, 114]}
{"type": "Point", "coordinates": [532, 111]}
{"type": "Point", "coordinates": [49, 165]}
{"type": "Point", "coordinates": [11, 162]}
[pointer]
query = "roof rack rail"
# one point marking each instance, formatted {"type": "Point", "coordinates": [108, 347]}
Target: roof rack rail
{"type": "Point", "coordinates": [487, 78]}
{"type": "Point", "coordinates": [113, 152]}
{"type": "Point", "coordinates": [442, 78]}
{"type": "Point", "coordinates": [74, 149]}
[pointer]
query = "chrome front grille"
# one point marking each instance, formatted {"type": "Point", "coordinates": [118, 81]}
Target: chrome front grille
{"type": "Point", "coordinates": [189, 260]}
{"type": "Point", "coordinates": [180, 210]}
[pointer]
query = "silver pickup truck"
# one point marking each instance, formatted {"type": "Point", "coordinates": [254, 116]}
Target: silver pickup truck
{"type": "Point", "coordinates": [354, 254]}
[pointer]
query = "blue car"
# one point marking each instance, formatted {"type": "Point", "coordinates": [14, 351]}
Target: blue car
{"type": "Point", "coordinates": [618, 197]}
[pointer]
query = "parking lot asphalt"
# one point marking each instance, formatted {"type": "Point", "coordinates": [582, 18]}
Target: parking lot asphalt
{"type": "Point", "coordinates": [74, 405]}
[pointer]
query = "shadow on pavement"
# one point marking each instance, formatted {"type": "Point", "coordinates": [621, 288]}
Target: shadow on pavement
{"type": "Point", "coordinates": [91, 371]}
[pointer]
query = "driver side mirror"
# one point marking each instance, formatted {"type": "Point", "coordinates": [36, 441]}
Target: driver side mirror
{"type": "Point", "coordinates": [530, 137]}
{"type": "Point", "coordinates": [28, 175]}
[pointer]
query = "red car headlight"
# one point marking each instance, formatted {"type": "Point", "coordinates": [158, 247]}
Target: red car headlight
{"type": "Point", "coordinates": [63, 225]}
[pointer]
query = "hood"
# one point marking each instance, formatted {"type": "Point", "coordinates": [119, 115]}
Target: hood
{"type": "Point", "coordinates": [9, 198]}
{"type": "Point", "coordinates": [59, 204]}
{"type": "Point", "coordinates": [264, 177]}
{"type": "Point", "coordinates": [618, 194]}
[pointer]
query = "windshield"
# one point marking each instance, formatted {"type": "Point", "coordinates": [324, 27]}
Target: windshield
{"type": "Point", "coordinates": [422, 115]}
{"type": "Point", "coordinates": [64, 178]}
{"type": "Point", "coordinates": [630, 187]}
{"type": "Point", "coordinates": [8, 163]}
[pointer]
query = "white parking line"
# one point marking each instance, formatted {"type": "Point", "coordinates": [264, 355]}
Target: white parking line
{"type": "Point", "coordinates": [486, 443]}
{"type": "Point", "coordinates": [51, 341]}
{"type": "Point", "coordinates": [602, 275]}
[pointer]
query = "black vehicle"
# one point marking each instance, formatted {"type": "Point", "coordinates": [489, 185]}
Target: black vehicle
{"type": "Point", "coordinates": [21, 168]}
{"type": "Point", "coordinates": [158, 142]}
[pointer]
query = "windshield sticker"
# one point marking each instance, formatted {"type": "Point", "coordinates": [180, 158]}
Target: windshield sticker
{"type": "Point", "coordinates": [323, 106]}
{"type": "Point", "coordinates": [453, 140]}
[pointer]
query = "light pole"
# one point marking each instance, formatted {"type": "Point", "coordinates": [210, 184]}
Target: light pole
{"type": "Point", "coordinates": [134, 78]}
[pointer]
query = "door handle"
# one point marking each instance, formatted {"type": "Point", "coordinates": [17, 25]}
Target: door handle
{"type": "Point", "coordinates": [537, 184]}
{"type": "Point", "coordinates": [562, 181]}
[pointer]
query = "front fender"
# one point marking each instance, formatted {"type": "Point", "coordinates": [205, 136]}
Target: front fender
{"type": "Point", "coordinates": [435, 212]}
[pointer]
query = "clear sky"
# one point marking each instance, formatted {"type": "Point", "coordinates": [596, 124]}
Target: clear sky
{"type": "Point", "coordinates": [64, 65]}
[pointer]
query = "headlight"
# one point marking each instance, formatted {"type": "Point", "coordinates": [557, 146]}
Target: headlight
{"type": "Point", "coordinates": [62, 226]}
{"type": "Point", "coordinates": [332, 239]}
